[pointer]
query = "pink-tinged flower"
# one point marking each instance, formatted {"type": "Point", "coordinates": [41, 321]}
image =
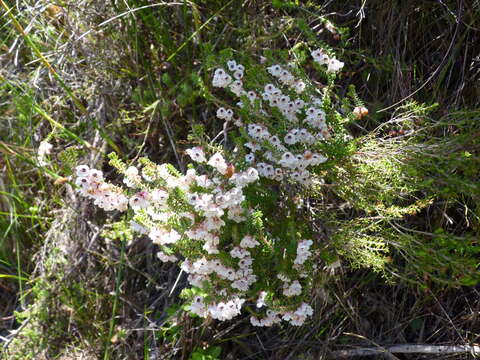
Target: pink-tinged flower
{"type": "Point", "coordinates": [166, 258]}
{"type": "Point", "coordinates": [159, 196]}
{"type": "Point", "coordinates": [248, 241]}
{"type": "Point", "coordinates": [139, 200]}
{"type": "Point", "coordinates": [198, 307]}
{"type": "Point", "coordinates": [292, 289]}
{"type": "Point", "coordinates": [218, 162]}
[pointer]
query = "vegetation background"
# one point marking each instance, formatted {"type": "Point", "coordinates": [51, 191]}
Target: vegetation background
{"type": "Point", "coordinates": [400, 222]}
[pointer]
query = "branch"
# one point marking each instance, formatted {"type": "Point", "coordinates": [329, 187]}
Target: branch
{"type": "Point", "coordinates": [409, 349]}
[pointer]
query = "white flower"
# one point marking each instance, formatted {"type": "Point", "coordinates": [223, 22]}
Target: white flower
{"type": "Point", "coordinates": [287, 160]}
{"type": "Point", "coordinates": [204, 181]}
{"type": "Point", "coordinates": [318, 159]}
{"type": "Point", "coordinates": [131, 177]}
{"type": "Point", "coordinates": [254, 321]}
{"type": "Point", "coordinates": [45, 148]}
{"type": "Point", "coordinates": [278, 174]}
{"type": "Point", "coordinates": [221, 113]}
{"type": "Point", "coordinates": [238, 252]}
{"type": "Point", "coordinates": [261, 299]}
{"type": "Point", "coordinates": [95, 175]}
{"type": "Point", "coordinates": [159, 196]}
{"type": "Point", "coordinates": [228, 114]}
{"type": "Point", "coordinates": [238, 74]}
{"type": "Point", "coordinates": [236, 214]}
{"type": "Point", "coordinates": [253, 146]}
{"type": "Point", "coordinates": [221, 78]}
{"type": "Point", "coordinates": [162, 236]}
{"type": "Point", "coordinates": [320, 57]}
{"type": "Point", "coordinates": [187, 266]}
{"type": "Point", "coordinates": [248, 241]}
{"type": "Point", "coordinates": [303, 251]}
{"type": "Point", "coordinates": [211, 244]}
{"type": "Point", "coordinates": [196, 154]}
{"type": "Point", "coordinates": [286, 77]}
{"type": "Point", "coordinates": [299, 86]}
{"type": "Point", "coordinates": [226, 311]}
{"type": "Point", "coordinates": [198, 307]}
{"type": "Point", "coordinates": [138, 228]}
{"type": "Point", "coordinates": [290, 139]}
{"type": "Point", "coordinates": [292, 289]}
{"type": "Point", "coordinates": [249, 158]}
{"type": "Point", "coordinates": [82, 170]}
{"type": "Point", "coordinates": [139, 201]}
{"type": "Point", "coordinates": [218, 162]}
{"type": "Point", "coordinates": [245, 263]}
{"type": "Point", "coordinates": [251, 96]}
{"type": "Point", "coordinates": [232, 65]}
{"type": "Point", "coordinates": [166, 258]}
{"type": "Point", "coordinates": [158, 215]}
{"type": "Point", "coordinates": [236, 87]}
{"type": "Point", "coordinates": [251, 174]}
{"type": "Point", "coordinates": [334, 65]}
{"type": "Point", "coordinates": [275, 70]}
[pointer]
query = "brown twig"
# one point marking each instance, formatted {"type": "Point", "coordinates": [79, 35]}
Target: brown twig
{"type": "Point", "coordinates": [408, 349]}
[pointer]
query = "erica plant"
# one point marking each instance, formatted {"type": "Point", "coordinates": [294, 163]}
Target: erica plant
{"type": "Point", "coordinates": [233, 221]}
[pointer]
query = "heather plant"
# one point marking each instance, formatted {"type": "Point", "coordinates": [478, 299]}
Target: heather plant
{"type": "Point", "coordinates": [400, 198]}
{"type": "Point", "coordinates": [233, 220]}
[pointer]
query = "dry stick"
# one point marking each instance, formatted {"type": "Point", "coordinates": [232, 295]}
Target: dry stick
{"type": "Point", "coordinates": [409, 349]}
{"type": "Point", "coordinates": [386, 354]}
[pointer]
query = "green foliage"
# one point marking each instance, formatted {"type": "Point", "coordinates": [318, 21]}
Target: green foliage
{"type": "Point", "coordinates": [208, 353]}
{"type": "Point", "coordinates": [360, 241]}
{"type": "Point", "coordinates": [441, 258]}
{"type": "Point", "coordinates": [69, 159]}
{"type": "Point", "coordinates": [120, 230]}
{"type": "Point", "coordinates": [388, 181]}
{"type": "Point", "coordinates": [117, 163]}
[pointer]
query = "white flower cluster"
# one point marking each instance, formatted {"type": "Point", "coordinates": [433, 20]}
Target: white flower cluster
{"type": "Point", "coordinates": [221, 311]}
{"type": "Point", "coordinates": [206, 271]}
{"type": "Point", "coordinates": [206, 221]}
{"type": "Point", "coordinates": [296, 317]}
{"type": "Point", "coordinates": [213, 201]}
{"type": "Point", "coordinates": [286, 78]}
{"type": "Point", "coordinates": [322, 58]}
{"type": "Point", "coordinates": [210, 202]}
{"type": "Point", "coordinates": [289, 288]}
{"type": "Point", "coordinates": [106, 196]}
{"type": "Point", "coordinates": [303, 251]}
{"type": "Point", "coordinates": [276, 155]}
{"type": "Point", "coordinates": [222, 79]}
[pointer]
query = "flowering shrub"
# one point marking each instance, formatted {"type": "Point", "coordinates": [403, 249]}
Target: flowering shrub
{"type": "Point", "coordinates": [233, 221]}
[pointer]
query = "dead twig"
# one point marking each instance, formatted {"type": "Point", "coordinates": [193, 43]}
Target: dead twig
{"type": "Point", "coordinates": [408, 349]}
